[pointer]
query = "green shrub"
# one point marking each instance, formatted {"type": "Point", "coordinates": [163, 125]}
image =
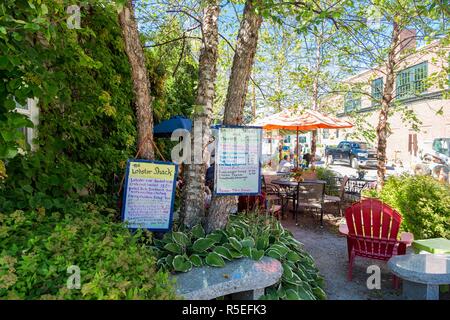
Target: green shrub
{"type": "Point", "coordinates": [36, 249]}
{"type": "Point", "coordinates": [253, 236]}
{"type": "Point", "coordinates": [330, 177]}
{"type": "Point", "coordinates": [423, 202]}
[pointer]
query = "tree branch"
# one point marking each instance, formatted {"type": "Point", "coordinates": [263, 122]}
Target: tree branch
{"type": "Point", "coordinates": [184, 37]}
{"type": "Point", "coordinates": [251, 78]}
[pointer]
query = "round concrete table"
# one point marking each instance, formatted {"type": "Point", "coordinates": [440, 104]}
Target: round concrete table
{"type": "Point", "coordinates": [422, 274]}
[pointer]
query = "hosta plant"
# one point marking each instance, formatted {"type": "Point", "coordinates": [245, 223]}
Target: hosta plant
{"type": "Point", "coordinates": [253, 236]}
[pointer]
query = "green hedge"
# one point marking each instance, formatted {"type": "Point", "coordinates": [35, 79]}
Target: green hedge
{"type": "Point", "coordinates": [36, 249]}
{"type": "Point", "coordinates": [423, 202]}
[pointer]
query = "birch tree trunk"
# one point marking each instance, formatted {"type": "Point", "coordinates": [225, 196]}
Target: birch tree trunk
{"type": "Point", "coordinates": [316, 96]}
{"type": "Point", "coordinates": [388, 95]}
{"type": "Point", "coordinates": [253, 102]}
{"type": "Point", "coordinates": [243, 60]}
{"type": "Point", "coordinates": [141, 83]}
{"type": "Point", "coordinates": [193, 210]}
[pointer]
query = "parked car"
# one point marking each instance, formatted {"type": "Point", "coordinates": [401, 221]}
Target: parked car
{"type": "Point", "coordinates": [355, 153]}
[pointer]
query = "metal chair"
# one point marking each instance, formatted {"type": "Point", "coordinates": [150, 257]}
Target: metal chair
{"type": "Point", "coordinates": [276, 194]}
{"type": "Point", "coordinates": [338, 199]}
{"type": "Point", "coordinates": [310, 196]}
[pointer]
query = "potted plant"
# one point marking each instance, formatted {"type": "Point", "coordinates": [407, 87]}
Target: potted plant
{"type": "Point", "coordinates": [296, 174]}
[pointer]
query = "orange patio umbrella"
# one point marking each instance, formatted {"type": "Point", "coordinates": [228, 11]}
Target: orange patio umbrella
{"type": "Point", "coordinates": [306, 120]}
{"type": "Point", "coordinates": [302, 121]}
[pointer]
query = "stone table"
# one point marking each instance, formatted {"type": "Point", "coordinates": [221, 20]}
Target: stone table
{"type": "Point", "coordinates": [422, 274]}
{"type": "Point", "coordinates": [244, 279]}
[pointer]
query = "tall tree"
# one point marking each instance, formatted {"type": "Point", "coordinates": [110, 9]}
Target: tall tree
{"type": "Point", "coordinates": [386, 43]}
{"type": "Point", "coordinates": [246, 45]}
{"type": "Point", "coordinates": [386, 100]}
{"type": "Point", "coordinates": [319, 39]}
{"type": "Point", "coordinates": [193, 196]}
{"type": "Point", "coordinates": [141, 84]}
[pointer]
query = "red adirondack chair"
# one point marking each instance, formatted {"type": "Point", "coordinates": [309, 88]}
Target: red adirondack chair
{"type": "Point", "coordinates": [372, 228]}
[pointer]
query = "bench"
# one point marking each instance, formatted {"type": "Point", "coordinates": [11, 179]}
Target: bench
{"type": "Point", "coordinates": [243, 279]}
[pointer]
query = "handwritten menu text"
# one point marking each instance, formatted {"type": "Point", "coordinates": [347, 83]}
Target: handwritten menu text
{"type": "Point", "coordinates": [149, 195]}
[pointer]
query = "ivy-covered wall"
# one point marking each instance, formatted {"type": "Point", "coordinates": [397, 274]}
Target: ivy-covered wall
{"type": "Point", "coordinates": [81, 78]}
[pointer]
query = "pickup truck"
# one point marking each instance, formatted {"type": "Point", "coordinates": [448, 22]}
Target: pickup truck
{"type": "Point", "coordinates": [355, 153]}
{"type": "Point", "coordinates": [438, 152]}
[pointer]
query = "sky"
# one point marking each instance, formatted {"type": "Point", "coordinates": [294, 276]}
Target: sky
{"type": "Point", "coordinates": [268, 59]}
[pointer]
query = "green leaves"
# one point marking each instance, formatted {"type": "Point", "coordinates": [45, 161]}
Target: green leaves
{"type": "Point", "coordinates": [223, 252]}
{"type": "Point", "coordinates": [173, 247]}
{"type": "Point", "coordinates": [252, 237]}
{"type": "Point", "coordinates": [256, 254]}
{"type": "Point", "coordinates": [38, 246]}
{"type": "Point", "coordinates": [423, 202]}
{"type": "Point", "coordinates": [181, 263]}
{"type": "Point", "coordinates": [214, 260]}
{"type": "Point", "coordinates": [202, 244]}
{"type": "Point", "coordinates": [196, 260]}
{"type": "Point", "coordinates": [235, 244]}
{"type": "Point", "coordinates": [44, 9]}
{"type": "Point", "coordinates": [180, 238]}
{"type": "Point", "coordinates": [198, 231]}
{"type": "Point", "coordinates": [293, 256]}
{"type": "Point", "coordinates": [248, 242]}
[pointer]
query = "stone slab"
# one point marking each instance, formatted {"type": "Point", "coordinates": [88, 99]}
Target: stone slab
{"type": "Point", "coordinates": [244, 277]}
{"type": "Point", "coordinates": [433, 269]}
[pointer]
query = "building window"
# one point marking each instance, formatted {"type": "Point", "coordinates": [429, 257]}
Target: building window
{"type": "Point", "coordinates": [352, 102]}
{"type": "Point", "coordinates": [325, 134]}
{"type": "Point", "coordinates": [377, 91]}
{"type": "Point", "coordinates": [30, 110]}
{"type": "Point", "coordinates": [337, 133]}
{"type": "Point", "coordinates": [411, 81]}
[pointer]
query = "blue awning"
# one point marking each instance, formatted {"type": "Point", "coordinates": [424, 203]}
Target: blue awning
{"type": "Point", "coordinates": [165, 128]}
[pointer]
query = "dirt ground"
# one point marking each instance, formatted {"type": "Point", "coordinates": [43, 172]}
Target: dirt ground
{"type": "Point", "coordinates": [329, 250]}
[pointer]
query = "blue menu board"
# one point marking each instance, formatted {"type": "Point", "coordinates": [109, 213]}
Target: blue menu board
{"type": "Point", "coordinates": [149, 194]}
{"type": "Point", "coordinates": [238, 161]}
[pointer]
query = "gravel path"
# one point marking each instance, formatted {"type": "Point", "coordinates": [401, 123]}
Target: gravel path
{"type": "Point", "coordinates": [329, 250]}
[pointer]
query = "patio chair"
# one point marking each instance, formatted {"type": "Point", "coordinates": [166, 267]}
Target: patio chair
{"type": "Point", "coordinates": [310, 197]}
{"type": "Point", "coordinates": [338, 199]}
{"type": "Point", "coordinates": [275, 194]}
{"type": "Point", "coordinates": [371, 229]}
{"type": "Point", "coordinates": [272, 199]}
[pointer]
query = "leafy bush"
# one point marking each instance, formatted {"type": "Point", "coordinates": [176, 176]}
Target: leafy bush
{"type": "Point", "coordinates": [423, 202]}
{"type": "Point", "coordinates": [36, 249]}
{"type": "Point", "coordinates": [330, 177]}
{"type": "Point", "coordinates": [252, 236]}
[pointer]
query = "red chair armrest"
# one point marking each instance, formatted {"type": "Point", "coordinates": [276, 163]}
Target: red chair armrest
{"type": "Point", "coordinates": [406, 238]}
{"type": "Point", "coordinates": [343, 228]}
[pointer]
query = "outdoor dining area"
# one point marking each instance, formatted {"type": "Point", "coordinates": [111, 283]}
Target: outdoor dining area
{"type": "Point", "coordinates": [299, 188]}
